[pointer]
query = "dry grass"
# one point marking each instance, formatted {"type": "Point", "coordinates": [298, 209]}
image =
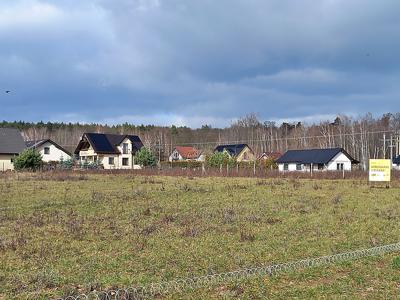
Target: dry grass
{"type": "Point", "coordinates": [61, 237]}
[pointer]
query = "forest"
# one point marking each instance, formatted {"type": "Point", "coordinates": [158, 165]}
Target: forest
{"type": "Point", "coordinates": [363, 137]}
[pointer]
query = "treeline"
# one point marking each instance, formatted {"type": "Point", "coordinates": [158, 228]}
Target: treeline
{"type": "Point", "coordinates": [363, 137]}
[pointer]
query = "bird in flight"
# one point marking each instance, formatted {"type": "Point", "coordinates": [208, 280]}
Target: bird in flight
{"type": "Point", "coordinates": [7, 92]}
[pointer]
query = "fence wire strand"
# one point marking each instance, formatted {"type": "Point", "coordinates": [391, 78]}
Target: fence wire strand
{"type": "Point", "coordinates": [187, 284]}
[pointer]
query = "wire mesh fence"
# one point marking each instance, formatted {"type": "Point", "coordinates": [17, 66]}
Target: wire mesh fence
{"type": "Point", "coordinates": [193, 283]}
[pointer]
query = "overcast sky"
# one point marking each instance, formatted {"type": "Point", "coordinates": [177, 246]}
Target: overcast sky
{"type": "Point", "coordinates": [194, 62]}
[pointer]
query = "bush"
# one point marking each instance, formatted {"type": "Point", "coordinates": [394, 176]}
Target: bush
{"type": "Point", "coordinates": [220, 158]}
{"type": "Point", "coordinates": [91, 165]}
{"type": "Point", "coordinates": [145, 157]}
{"type": "Point", "coordinates": [268, 164]}
{"type": "Point", "coordinates": [29, 159]}
{"type": "Point", "coordinates": [67, 164]}
{"type": "Point", "coordinates": [189, 164]}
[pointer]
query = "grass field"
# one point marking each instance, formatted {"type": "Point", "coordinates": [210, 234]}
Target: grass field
{"type": "Point", "coordinates": [63, 235]}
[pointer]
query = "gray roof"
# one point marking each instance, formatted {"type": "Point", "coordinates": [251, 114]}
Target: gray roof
{"type": "Point", "coordinates": [11, 141]}
{"type": "Point", "coordinates": [313, 156]}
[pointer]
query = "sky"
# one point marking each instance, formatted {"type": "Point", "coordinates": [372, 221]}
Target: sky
{"type": "Point", "coordinates": [190, 62]}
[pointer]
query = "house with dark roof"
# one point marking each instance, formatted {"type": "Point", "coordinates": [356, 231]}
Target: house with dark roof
{"type": "Point", "coordinates": [187, 153]}
{"type": "Point", "coordinates": [112, 151]}
{"type": "Point", "coordinates": [50, 151]}
{"type": "Point", "coordinates": [330, 159]}
{"type": "Point", "coordinates": [396, 162]}
{"type": "Point", "coordinates": [240, 152]}
{"type": "Point", "coordinates": [11, 144]}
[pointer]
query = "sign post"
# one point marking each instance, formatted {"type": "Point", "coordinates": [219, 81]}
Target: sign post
{"type": "Point", "coordinates": [379, 170]}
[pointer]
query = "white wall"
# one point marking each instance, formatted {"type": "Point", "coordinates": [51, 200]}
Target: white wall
{"type": "Point", "coordinates": [55, 153]}
{"type": "Point", "coordinates": [291, 167]}
{"type": "Point", "coordinates": [5, 162]}
{"type": "Point", "coordinates": [339, 158]}
{"type": "Point", "coordinates": [175, 155]}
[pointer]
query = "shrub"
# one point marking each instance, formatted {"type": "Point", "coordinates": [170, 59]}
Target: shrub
{"type": "Point", "coordinates": [268, 164]}
{"type": "Point", "coordinates": [145, 157]}
{"type": "Point", "coordinates": [183, 164]}
{"type": "Point", "coordinates": [220, 158]}
{"type": "Point", "coordinates": [90, 165]}
{"type": "Point", "coordinates": [66, 164]}
{"type": "Point", "coordinates": [30, 159]}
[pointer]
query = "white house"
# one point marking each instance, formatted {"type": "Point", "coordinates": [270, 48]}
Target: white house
{"type": "Point", "coordinates": [181, 153]}
{"type": "Point", "coordinates": [112, 151]}
{"type": "Point", "coordinates": [331, 159]}
{"type": "Point", "coordinates": [49, 150]}
{"type": "Point", "coordinates": [11, 144]}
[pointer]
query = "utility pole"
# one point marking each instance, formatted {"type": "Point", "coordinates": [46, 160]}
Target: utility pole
{"type": "Point", "coordinates": [391, 147]}
{"type": "Point", "coordinates": [384, 146]}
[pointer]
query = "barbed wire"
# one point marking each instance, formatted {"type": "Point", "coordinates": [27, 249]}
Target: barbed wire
{"type": "Point", "coordinates": [190, 284]}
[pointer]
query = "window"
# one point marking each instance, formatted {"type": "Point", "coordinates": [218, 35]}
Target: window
{"type": "Point", "coordinates": [111, 160]}
{"type": "Point", "coordinates": [285, 167]}
{"type": "Point", "coordinates": [339, 166]}
{"type": "Point", "coordinates": [320, 166]}
{"type": "Point", "coordinates": [125, 148]}
{"type": "Point", "coordinates": [125, 161]}
{"type": "Point", "coordinates": [46, 150]}
{"type": "Point", "coordinates": [299, 167]}
{"type": "Point", "coordinates": [12, 160]}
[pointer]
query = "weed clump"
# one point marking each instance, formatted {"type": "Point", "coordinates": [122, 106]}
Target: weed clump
{"type": "Point", "coordinates": [337, 199]}
{"type": "Point", "coordinates": [247, 236]}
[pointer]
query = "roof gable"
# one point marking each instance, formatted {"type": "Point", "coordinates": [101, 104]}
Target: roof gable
{"type": "Point", "coordinates": [11, 141]}
{"type": "Point", "coordinates": [107, 143]}
{"type": "Point", "coordinates": [38, 143]}
{"type": "Point", "coordinates": [232, 149]}
{"type": "Point", "coordinates": [312, 156]}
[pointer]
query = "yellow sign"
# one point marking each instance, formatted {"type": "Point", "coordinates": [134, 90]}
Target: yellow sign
{"type": "Point", "coordinates": [379, 169]}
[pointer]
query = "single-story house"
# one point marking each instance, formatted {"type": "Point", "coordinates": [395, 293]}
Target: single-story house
{"type": "Point", "coordinates": [186, 153]}
{"type": "Point", "coordinates": [11, 144]}
{"type": "Point", "coordinates": [269, 156]}
{"type": "Point", "coordinates": [396, 162]}
{"type": "Point", "coordinates": [112, 151]}
{"type": "Point", "coordinates": [240, 152]}
{"type": "Point", "coordinates": [330, 159]}
{"type": "Point", "coordinates": [49, 150]}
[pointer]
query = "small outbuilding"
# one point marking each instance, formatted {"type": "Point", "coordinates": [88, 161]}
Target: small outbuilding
{"type": "Point", "coordinates": [240, 152]}
{"type": "Point", "coordinates": [329, 159]}
{"type": "Point", "coordinates": [49, 150]}
{"type": "Point", "coordinates": [11, 145]}
{"type": "Point", "coordinates": [186, 153]}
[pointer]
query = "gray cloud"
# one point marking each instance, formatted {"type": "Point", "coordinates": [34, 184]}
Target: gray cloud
{"type": "Point", "coordinates": [195, 62]}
